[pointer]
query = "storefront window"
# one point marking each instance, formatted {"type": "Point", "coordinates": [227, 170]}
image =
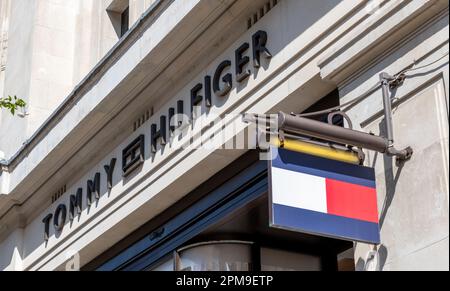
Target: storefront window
{"type": "Point", "coordinates": [280, 260]}
{"type": "Point", "coordinates": [164, 265]}
{"type": "Point", "coordinates": [235, 256]}
{"type": "Point", "coordinates": [221, 244]}
{"type": "Point", "coordinates": [215, 256]}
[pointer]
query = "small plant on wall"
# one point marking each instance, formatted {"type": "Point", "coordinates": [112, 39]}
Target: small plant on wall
{"type": "Point", "coordinates": [12, 104]}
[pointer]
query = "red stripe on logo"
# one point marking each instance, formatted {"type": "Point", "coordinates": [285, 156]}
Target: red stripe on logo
{"type": "Point", "coordinates": [351, 201]}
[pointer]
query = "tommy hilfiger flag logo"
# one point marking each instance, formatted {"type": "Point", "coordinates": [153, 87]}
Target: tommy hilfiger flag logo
{"type": "Point", "coordinates": [324, 197]}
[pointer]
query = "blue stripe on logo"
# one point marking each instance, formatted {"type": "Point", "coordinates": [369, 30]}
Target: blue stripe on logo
{"type": "Point", "coordinates": [325, 168]}
{"type": "Point", "coordinates": [325, 224]}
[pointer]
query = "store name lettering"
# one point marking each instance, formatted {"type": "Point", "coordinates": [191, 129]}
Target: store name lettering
{"type": "Point", "coordinates": [133, 155]}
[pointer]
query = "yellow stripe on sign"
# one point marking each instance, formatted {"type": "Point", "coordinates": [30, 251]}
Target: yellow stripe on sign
{"type": "Point", "coordinates": [317, 150]}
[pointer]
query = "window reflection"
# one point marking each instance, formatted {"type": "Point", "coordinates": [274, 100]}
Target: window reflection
{"type": "Point", "coordinates": [235, 256]}
{"type": "Point", "coordinates": [164, 265]}
{"type": "Point", "coordinates": [215, 256]}
{"type": "Point", "coordinates": [280, 260]}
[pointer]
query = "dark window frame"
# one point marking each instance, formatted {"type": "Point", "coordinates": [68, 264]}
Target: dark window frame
{"type": "Point", "coordinates": [224, 187]}
{"type": "Point", "coordinates": [248, 186]}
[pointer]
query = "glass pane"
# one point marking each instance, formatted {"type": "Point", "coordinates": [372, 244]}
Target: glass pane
{"type": "Point", "coordinates": [216, 257]}
{"type": "Point", "coordinates": [164, 265]}
{"type": "Point", "coordinates": [278, 260]}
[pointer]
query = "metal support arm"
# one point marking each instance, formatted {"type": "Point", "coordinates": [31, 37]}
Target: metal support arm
{"type": "Point", "coordinates": [296, 125]}
{"type": "Point", "coordinates": [404, 154]}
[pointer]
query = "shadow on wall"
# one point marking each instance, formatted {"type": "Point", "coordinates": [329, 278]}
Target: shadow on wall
{"type": "Point", "coordinates": [391, 181]}
{"type": "Point", "coordinates": [375, 260]}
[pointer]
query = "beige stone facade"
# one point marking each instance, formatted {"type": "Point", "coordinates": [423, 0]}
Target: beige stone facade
{"type": "Point", "coordinates": [86, 86]}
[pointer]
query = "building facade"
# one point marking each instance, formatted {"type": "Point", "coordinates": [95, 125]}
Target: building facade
{"type": "Point", "coordinates": [106, 168]}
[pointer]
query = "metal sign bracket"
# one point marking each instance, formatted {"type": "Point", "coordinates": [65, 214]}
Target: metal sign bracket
{"type": "Point", "coordinates": [390, 82]}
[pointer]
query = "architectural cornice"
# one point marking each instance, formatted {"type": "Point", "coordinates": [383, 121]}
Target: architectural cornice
{"type": "Point", "coordinates": [85, 84]}
{"type": "Point", "coordinates": [50, 147]}
{"type": "Point", "coordinates": [376, 35]}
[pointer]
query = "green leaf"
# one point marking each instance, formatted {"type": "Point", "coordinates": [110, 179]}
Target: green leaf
{"type": "Point", "coordinates": [12, 104]}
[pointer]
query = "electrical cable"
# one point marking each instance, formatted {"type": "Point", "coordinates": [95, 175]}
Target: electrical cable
{"type": "Point", "coordinates": [397, 76]}
{"type": "Point", "coordinates": [332, 109]}
{"type": "Point", "coordinates": [414, 68]}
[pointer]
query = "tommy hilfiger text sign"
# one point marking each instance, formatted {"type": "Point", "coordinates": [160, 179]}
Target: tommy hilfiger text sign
{"type": "Point", "coordinates": [133, 155]}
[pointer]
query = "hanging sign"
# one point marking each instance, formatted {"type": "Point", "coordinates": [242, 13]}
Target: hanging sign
{"type": "Point", "coordinates": [323, 197]}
